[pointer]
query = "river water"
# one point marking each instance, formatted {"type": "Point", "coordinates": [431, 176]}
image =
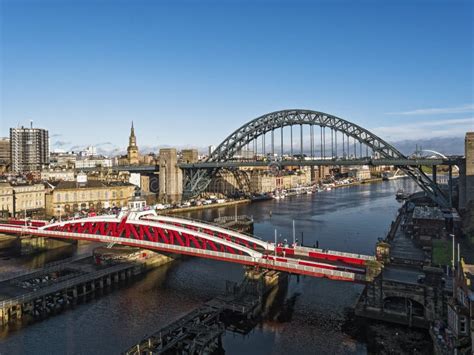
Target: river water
{"type": "Point", "coordinates": [307, 318]}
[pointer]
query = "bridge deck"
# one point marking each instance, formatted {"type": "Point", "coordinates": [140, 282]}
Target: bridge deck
{"type": "Point", "coordinates": [193, 239]}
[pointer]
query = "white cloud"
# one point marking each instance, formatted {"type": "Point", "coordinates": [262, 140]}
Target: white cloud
{"type": "Point", "coordinates": [426, 129]}
{"type": "Point", "coordinates": [436, 111]}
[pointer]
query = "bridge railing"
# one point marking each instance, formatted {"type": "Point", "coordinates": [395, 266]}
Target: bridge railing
{"type": "Point", "coordinates": [225, 219]}
{"type": "Point", "coordinates": [335, 252]}
{"type": "Point", "coordinates": [211, 224]}
{"type": "Point", "coordinates": [217, 255]}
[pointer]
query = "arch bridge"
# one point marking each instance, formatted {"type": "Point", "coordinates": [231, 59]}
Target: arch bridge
{"type": "Point", "coordinates": [196, 238]}
{"type": "Point", "coordinates": [323, 139]}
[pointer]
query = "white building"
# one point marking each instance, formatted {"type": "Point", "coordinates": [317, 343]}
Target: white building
{"type": "Point", "coordinates": [93, 163]}
{"type": "Point", "coordinates": [90, 151]}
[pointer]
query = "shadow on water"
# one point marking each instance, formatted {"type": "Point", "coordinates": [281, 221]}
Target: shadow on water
{"type": "Point", "coordinates": [308, 317]}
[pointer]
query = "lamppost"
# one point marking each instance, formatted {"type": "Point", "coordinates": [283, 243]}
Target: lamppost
{"type": "Point", "coordinates": [454, 253]}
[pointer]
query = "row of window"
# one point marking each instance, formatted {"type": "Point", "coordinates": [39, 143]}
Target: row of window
{"type": "Point", "coordinates": [85, 205]}
{"type": "Point", "coordinates": [70, 196]}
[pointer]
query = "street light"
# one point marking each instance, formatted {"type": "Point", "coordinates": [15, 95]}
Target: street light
{"type": "Point", "coordinates": [454, 252]}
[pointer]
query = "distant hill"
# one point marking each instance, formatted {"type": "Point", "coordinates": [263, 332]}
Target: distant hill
{"type": "Point", "coordinates": [446, 146]}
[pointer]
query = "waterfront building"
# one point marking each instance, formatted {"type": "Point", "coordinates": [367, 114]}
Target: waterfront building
{"type": "Point", "coordinates": [189, 156]}
{"type": "Point", "coordinates": [362, 173]}
{"type": "Point", "coordinates": [29, 149]}
{"type": "Point", "coordinates": [257, 180]}
{"type": "Point", "coordinates": [427, 223]}
{"type": "Point", "coordinates": [72, 196]}
{"type": "Point", "coordinates": [22, 197]}
{"type": "Point", "coordinates": [225, 183]}
{"type": "Point", "coordinates": [6, 198]}
{"type": "Point", "coordinates": [261, 182]}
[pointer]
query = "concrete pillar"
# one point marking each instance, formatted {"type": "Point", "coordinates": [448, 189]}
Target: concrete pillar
{"type": "Point", "coordinates": [18, 312]}
{"type": "Point", "coordinates": [171, 177]}
{"type": "Point", "coordinates": [4, 316]}
{"type": "Point", "coordinates": [469, 154]}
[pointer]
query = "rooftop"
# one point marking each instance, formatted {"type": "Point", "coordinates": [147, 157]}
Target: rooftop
{"type": "Point", "coordinates": [427, 212]}
{"type": "Point", "coordinates": [68, 185]}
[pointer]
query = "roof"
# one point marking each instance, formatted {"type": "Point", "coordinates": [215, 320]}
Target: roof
{"type": "Point", "coordinates": [90, 184]}
{"type": "Point", "coordinates": [427, 212]}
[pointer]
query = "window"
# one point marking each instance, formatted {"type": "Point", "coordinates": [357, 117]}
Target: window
{"type": "Point", "coordinates": [462, 325]}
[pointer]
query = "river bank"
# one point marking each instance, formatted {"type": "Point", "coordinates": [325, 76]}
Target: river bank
{"type": "Point", "coordinates": [308, 318]}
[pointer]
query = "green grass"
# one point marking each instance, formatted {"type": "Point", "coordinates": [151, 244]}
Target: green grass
{"type": "Point", "coordinates": [442, 252]}
{"type": "Point", "coordinates": [426, 169]}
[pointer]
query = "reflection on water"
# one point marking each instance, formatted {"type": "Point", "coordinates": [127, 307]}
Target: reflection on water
{"type": "Point", "coordinates": [305, 319]}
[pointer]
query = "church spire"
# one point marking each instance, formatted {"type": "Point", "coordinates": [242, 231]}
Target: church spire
{"type": "Point", "coordinates": [132, 141]}
{"type": "Point", "coordinates": [132, 150]}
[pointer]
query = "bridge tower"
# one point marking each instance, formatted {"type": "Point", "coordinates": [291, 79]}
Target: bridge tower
{"type": "Point", "coordinates": [132, 150]}
{"type": "Point", "coordinates": [171, 176]}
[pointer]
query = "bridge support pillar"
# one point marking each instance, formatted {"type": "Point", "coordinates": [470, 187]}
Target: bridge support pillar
{"type": "Point", "coordinates": [433, 172]}
{"type": "Point", "coordinates": [30, 245]}
{"type": "Point", "coordinates": [171, 176]}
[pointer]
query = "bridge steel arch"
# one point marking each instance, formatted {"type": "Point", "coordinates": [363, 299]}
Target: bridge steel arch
{"type": "Point", "coordinates": [279, 119]}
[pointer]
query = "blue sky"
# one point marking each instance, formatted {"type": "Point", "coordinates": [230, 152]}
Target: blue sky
{"type": "Point", "coordinates": [190, 72]}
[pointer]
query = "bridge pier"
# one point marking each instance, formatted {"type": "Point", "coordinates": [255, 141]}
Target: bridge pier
{"type": "Point", "coordinates": [30, 245]}
{"type": "Point", "coordinates": [404, 302]}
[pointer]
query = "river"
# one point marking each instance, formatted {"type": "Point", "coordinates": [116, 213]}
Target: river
{"type": "Point", "coordinates": [309, 317]}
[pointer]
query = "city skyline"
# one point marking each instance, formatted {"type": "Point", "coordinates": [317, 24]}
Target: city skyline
{"type": "Point", "coordinates": [69, 69]}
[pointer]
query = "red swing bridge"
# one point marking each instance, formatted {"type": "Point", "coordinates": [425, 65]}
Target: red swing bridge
{"type": "Point", "coordinates": [148, 230]}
